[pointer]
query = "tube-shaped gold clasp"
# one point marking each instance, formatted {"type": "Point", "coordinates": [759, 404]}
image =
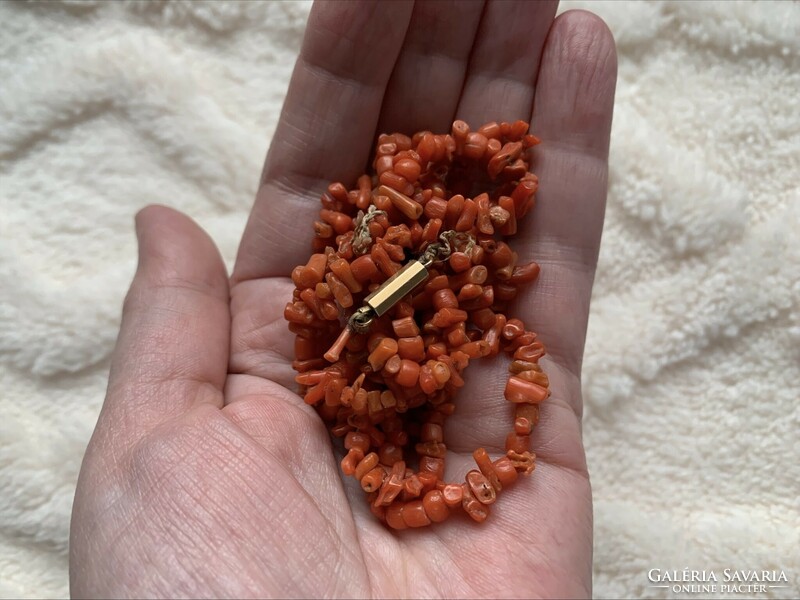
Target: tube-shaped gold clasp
{"type": "Point", "coordinates": [397, 287]}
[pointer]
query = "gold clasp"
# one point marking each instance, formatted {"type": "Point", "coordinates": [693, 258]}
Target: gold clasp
{"type": "Point", "coordinates": [402, 283]}
{"type": "Point", "coordinates": [397, 287]}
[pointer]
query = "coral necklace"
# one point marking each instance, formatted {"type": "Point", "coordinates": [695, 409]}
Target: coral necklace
{"type": "Point", "coordinates": [419, 249]}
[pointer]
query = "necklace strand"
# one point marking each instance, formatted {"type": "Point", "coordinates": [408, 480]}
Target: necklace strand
{"type": "Point", "coordinates": [409, 282]}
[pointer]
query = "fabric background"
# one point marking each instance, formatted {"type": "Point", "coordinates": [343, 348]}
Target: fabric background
{"type": "Point", "coordinates": [692, 364]}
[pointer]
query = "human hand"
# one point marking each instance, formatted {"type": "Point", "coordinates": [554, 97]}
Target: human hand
{"type": "Point", "coordinates": [208, 476]}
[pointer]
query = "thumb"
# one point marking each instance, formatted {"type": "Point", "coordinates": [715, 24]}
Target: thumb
{"type": "Point", "coordinates": [172, 350]}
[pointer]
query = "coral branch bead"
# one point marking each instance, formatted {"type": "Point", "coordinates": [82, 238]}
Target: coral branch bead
{"type": "Point", "coordinates": [519, 390]}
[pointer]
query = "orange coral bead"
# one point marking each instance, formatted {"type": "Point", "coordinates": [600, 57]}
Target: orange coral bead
{"type": "Point", "coordinates": [525, 273]}
{"type": "Point", "coordinates": [394, 516]}
{"type": "Point", "coordinates": [517, 443]}
{"type": "Point", "coordinates": [332, 355]}
{"type": "Point", "coordinates": [466, 220]}
{"type": "Point", "coordinates": [476, 274]}
{"type": "Point", "coordinates": [340, 222]}
{"type": "Point", "coordinates": [435, 350]}
{"type": "Point", "coordinates": [453, 493]}
{"type": "Point", "coordinates": [312, 273]}
{"type": "Point", "coordinates": [444, 298]}
{"type": "Point", "coordinates": [447, 317]}
{"type": "Point", "coordinates": [435, 506]}
{"type": "Point", "coordinates": [483, 318]}
{"type": "Point", "coordinates": [427, 382]}
{"type": "Point", "coordinates": [475, 146]}
{"type": "Point", "coordinates": [414, 514]}
{"type": "Point", "coordinates": [431, 448]}
{"type": "Point", "coordinates": [483, 221]}
{"type": "Point", "coordinates": [392, 366]}
{"type": "Point", "coordinates": [373, 480]}
{"type": "Point", "coordinates": [428, 481]}
{"type": "Point", "coordinates": [357, 440]}
{"type": "Point", "coordinates": [520, 366]}
{"type": "Point", "coordinates": [412, 487]}
{"type": "Point", "coordinates": [475, 349]}
{"type": "Point", "coordinates": [392, 189]}
{"type": "Point", "coordinates": [408, 374]}
{"type": "Point", "coordinates": [522, 426]}
{"type": "Point", "coordinates": [455, 206]}
{"type": "Point", "coordinates": [513, 329]}
{"type": "Point", "coordinates": [523, 462]}
{"type": "Point", "coordinates": [304, 348]}
{"type": "Point", "coordinates": [405, 327]}
{"type": "Point", "coordinates": [470, 291]}
{"type": "Point", "coordinates": [492, 147]}
{"type": "Point", "coordinates": [431, 231]}
{"type": "Point", "coordinates": [532, 352]}
{"type": "Point", "coordinates": [506, 473]}
{"type": "Point", "coordinates": [411, 348]}
{"type": "Point", "coordinates": [369, 462]}
{"type": "Point", "coordinates": [426, 148]}
{"type": "Point", "coordinates": [456, 335]}
{"type": "Point", "coordinates": [364, 269]}
{"type": "Point", "coordinates": [391, 488]}
{"type": "Point", "coordinates": [510, 226]}
{"type": "Point", "coordinates": [519, 390]}
{"type": "Point", "coordinates": [385, 349]}
{"type": "Point", "coordinates": [536, 377]}
{"type": "Point", "coordinates": [340, 291]}
{"type": "Point", "coordinates": [408, 169]}
{"type": "Point", "coordinates": [333, 391]}
{"type": "Point", "coordinates": [341, 268]}
{"type": "Point", "coordinates": [430, 464]}
{"type": "Point", "coordinates": [529, 412]}
{"type": "Point", "coordinates": [490, 130]}
{"type": "Point", "coordinates": [431, 432]}
{"type": "Point", "coordinates": [480, 487]}
{"type": "Point", "coordinates": [441, 373]}
{"type": "Point", "coordinates": [477, 510]}
{"type": "Point", "coordinates": [390, 454]}
{"type": "Point", "coordinates": [459, 262]}
{"type": "Point", "coordinates": [351, 460]}
{"type": "Point", "coordinates": [436, 208]}
{"type": "Point", "coordinates": [487, 468]}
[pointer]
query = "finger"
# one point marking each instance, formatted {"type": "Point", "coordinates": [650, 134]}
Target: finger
{"type": "Point", "coordinates": [556, 438]}
{"type": "Point", "coordinates": [572, 116]}
{"type": "Point", "coordinates": [505, 60]}
{"type": "Point", "coordinates": [172, 350]}
{"type": "Point", "coordinates": [427, 79]}
{"type": "Point", "coordinates": [326, 128]}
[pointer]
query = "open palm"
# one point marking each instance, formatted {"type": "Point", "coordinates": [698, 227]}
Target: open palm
{"type": "Point", "coordinates": [208, 476]}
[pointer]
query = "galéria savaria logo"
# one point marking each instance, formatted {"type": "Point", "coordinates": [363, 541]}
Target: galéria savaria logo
{"type": "Point", "coordinates": [725, 581]}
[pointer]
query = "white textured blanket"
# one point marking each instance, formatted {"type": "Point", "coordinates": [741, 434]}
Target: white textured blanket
{"type": "Point", "coordinates": [692, 373]}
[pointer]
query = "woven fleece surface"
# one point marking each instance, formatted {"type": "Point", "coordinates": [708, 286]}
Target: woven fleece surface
{"type": "Point", "coordinates": [692, 364]}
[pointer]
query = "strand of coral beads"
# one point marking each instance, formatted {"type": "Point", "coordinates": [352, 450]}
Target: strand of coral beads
{"type": "Point", "coordinates": [387, 383]}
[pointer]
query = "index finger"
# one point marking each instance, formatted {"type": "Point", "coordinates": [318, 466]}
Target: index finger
{"type": "Point", "coordinates": [326, 126]}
